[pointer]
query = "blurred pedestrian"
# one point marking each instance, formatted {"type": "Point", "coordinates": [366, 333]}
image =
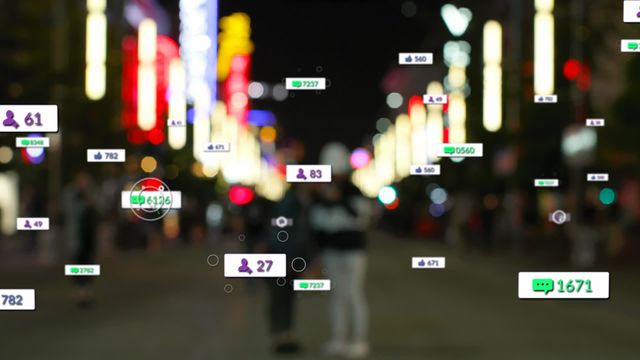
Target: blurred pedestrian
{"type": "Point", "coordinates": [82, 221]}
{"type": "Point", "coordinates": [339, 217]}
{"type": "Point", "coordinates": [288, 234]}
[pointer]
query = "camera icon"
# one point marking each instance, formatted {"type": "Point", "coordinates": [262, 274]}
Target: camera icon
{"type": "Point", "coordinates": [559, 217]}
{"type": "Point", "coordinates": [282, 222]}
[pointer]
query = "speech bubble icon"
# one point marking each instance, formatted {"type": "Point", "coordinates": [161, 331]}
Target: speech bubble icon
{"type": "Point", "coordinates": [449, 149]}
{"type": "Point", "coordinates": [544, 285]}
{"type": "Point", "coordinates": [632, 45]}
{"type": "Point", "coordinates": [75, 270]}
{"type": "Point", "coordinates": [304, 285]}
{"type": "Point", "coordinates": [25, 142]}
{"type": "Point", "coordinates": [296, 83]}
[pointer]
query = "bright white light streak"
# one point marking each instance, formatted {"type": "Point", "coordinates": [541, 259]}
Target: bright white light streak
{"type": "Point", "coordinates": [403, 146]}
{"type": "Point", "coordinates": [543, 48]}
{"type": "Point", "coordinates": [418, 134]}
{"type": "Point", "coordinates": [147, 74]}
{"type": "Point", "coordinates": [492, 95]}
{"type": "Point", "coordinates": [457, 118]}
{"type": "Point", "coordinates": [96, 50]}
{"type": "Point", "coordinates": [177, 135]}
{"type": "Point", "coordinates": [435, 123]}
{"type": "Point", "coordinates": [201, 121]}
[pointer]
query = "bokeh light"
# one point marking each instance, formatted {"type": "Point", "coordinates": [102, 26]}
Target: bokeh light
{"type": "Point", "coordinates": [240, 195]}
{"type": "Point", "coordinates": [6, 154]}
{"type": "Point", "coordinates": [438, 196]}
{"type": "Point", "coordinates": [394, 100]}
{"type": "Point", "coordinates": [360, 158]}
{"type": "Point", "coordinates": [148, 164]}
{"type": "Point", "coordinates": [607, 196]}
{"type": "Point", "coordinates": [387, 195]}
{"type": "Point", "coordinates": [268, 134]}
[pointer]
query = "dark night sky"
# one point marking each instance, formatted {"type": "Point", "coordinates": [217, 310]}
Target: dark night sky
{"type": "Point", "coordinates": [355, 42]}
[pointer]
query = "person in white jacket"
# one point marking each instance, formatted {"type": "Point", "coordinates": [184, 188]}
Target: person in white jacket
{"type": "Point", "coordinates": [339, 218]}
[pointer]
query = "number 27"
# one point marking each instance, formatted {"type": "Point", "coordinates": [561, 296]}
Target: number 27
{"type": "Point", "coordinates": [261, 264]}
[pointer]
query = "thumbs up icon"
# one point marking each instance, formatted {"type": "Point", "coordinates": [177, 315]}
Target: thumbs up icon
{"type": "Point", "coordinates": [97, 156]}
{"type": "Point", "coordinates": [408, 59]}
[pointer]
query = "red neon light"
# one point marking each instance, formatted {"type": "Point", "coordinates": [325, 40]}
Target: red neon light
{"type": "Point", "coordinates": [237, 84]}
{"type": "Point", "coordinates": [167, 50]}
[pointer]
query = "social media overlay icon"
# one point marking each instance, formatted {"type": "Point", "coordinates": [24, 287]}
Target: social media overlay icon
{"type": "Point", "coordinates": [150, 199]}
{"type": "Point", "coordinates": [415, 58]}
{"type": "Point", "coordinates": [630, 45]}
{"type": "Point", "coordinates": [176, 123]}
{"type": "Point", "coordinates": [598, 177]}
{"type": "Point", "coordinates": [32, 223]}
{"type": "Point", "coordinates": [308, 173]}
{"type": "Point", "coordinates": [459, 150]}
{"type": "Point", "coordinates": [217, 147]}
{"type": "Point", "coordinates": [29, 118]}
{"type": "Point", "coordinates": [312, 285]}
{"type": "Point", "coordinates": [594, 122]}
{"type": "Point", "coordinates": [305, 83]}
{"type": "Point", "coordinates": [82, 270]}
{"type": "Point", "coordinates": [545, 99]}
{"type": "Point", "coordinates": [32, 142]}
{"type": "Point", "coordinates": [255, 265]}
{"type": "Point", "coordinates": [631, 11]}
{"type": "Point", "coordinates": [559, 217]}
{"type": "Point", "coordinates": [563, 285]}
{"type": "Point", "coordinates": [281, 222]}
{"type": "Point", "coordinates": [106, 155]}
{"type": "Point", "coordinates": [546, 182]}
{"type": "Point", "coordinates": [427, 263]}
{"type": "Point", "coordinates": [17, 299]}
{"type": "Point", "coordinates": [437, 99]}
{"type": "Point", "coordinates": [425, 170]}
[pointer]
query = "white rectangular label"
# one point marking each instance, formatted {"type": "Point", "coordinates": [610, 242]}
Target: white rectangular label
{"type": "Point", "coordinates": [176, 123]}
{"type": "Point", "coordinates": [594, 122]}
{"type": "Point", "coordinates": [425, 170]}
{"type": "Point", "coordinates": [305, 83]}
{"type": "Point", "coordinates": [437, 99]}
{"type": "Point", "coordinates": [459, 150]}
{"type": "Point", "coordinates": [427, 263]}
{"type": "Point", "coordinates": [29, 118]}
{"type": "Point", "coordinates": [105, 155]}
{"type": "Point", "coordinates": [217, 147]}
{"type": "Point", "coordinates": [630, 45]}
{"type": "Point", "coordinates": [17, 299]}
{"type": "Point", "coordinates": [82, 270]}
{"type": "Point", "coordinates": [309, 173]}
{"type": "Point", "coordinates": [255, 265]}
{"type": "Point", "coordinates": [597, 177]}
{"type": "Point", "coordinates": [563, 285]}
{"type": "Point", "coordinates": [32, 223]}
{"type": "Point", "coordinates": [539, 99]}
{"type": "Point", "coordinates": [415, 58]}
{"type": "Point", "coordinates": [312, 285]}
{"type": "Point", "coordinates": [631, 12]}
{"type": "Point", "coordinates": [546, 182]}
{"type": "Point", "coordinates": [151, 199]}
{"type": "Point", "coordinates": [32, 142]}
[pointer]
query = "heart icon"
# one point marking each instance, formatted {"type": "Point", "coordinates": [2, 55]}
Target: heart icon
{"type": "Point", "coordinates": [456, 19]}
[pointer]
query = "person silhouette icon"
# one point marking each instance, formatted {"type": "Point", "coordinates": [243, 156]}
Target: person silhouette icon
{"type": "Point", "coordinates": [301, 174]}
{"type": "Point", "coordinates": [10, 121]}
{"type": "Point", "coordinates": [244, 266]}
{"type": "Point", "coordinates": [27, 225]}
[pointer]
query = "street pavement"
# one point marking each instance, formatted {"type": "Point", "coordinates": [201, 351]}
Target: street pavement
{"type": "Point", "coordinates": [171, 304]}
